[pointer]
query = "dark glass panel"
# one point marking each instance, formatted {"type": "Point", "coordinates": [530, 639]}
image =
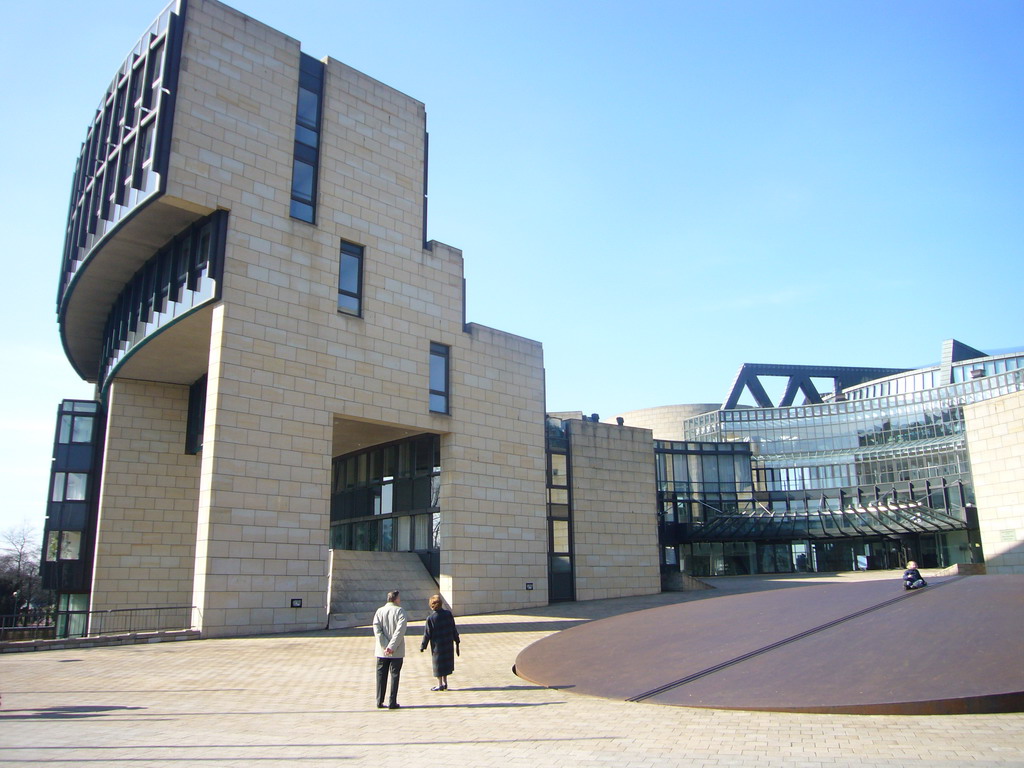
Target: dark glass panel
{"type": "Point", "coordinates": [303, 211]}
{"type": "Point", "coordinates": [561, 564]}
{"type": "Point", "coordinates": [64, 434]}
{"type": "Point", "coordinates": [306, 136]}
{"type": "Point", "coordinates": [348, 304]}
{"type": "Point", "coordinates": [558, 510]}
{"type": "Point", "coordinates": [403, 495]}
{"type": "Point", "coordinates": [82, 429]}
{"type": "Point", "coordinates": [421, 493]}
{"type": "Point", "coordinates": [308, 107]}
{"type": "Point", "coordinates": [348, 277]}
{"type": "Point", "coordinates": [302, 180]}
{"type": "Point", "coordinates": [425, 453]}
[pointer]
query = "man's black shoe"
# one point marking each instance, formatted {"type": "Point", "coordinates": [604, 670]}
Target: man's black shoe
{"type": "Point", "coordinates": [393, 706]}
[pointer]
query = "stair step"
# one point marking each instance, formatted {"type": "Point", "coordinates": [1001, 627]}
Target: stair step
{"type": "Point", "coordinates": [360, 582]}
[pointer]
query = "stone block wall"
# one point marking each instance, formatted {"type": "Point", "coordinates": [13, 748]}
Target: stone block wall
{"type": "Point", "coordinates": [995, 441]}
{"type": "Point", "coordinates": [493, 520]}
{"type": "Point", "coordinates": [145, 541]}
{"type": "Point", "coordinates": [614, 511]}
{"type": "Point", "coordinates": [666, 421]}
{"type": "Point", "coordinates": [285, 365]}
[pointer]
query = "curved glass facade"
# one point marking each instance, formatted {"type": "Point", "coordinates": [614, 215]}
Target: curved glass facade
{"type": "Point", "coordinates": [180, 278]}
{"type": "Point", "coordinates": [124, 158]}
{"type": "Point", "coordinates": [885, 463]}
{"type": "Point", "coordinates": [928, 378]}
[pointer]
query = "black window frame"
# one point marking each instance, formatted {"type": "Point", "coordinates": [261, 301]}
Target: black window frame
{"type": "Point", "coordinates": [357, 252]}
{"type": "Point", "coordinates": [441, 354]}
{"type": "Point", "coordinates": [195, 421]}
{"type": "Point", "coordinates": [302, 205]}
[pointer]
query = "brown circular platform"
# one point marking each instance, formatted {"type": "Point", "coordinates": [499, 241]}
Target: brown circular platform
{"type": "Point", "coordinates": [869, 647]}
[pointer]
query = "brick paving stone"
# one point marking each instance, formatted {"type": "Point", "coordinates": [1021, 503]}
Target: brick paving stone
{"type": "Point", "coordinates": [307, 700]}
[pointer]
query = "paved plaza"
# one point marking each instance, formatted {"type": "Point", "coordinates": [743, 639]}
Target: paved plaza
{"type": "Point", "coordinates": [308, 700]}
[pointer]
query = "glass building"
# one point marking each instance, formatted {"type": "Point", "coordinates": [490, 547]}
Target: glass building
{"type": "Point", "coordinates": [71, 511]}
{"type": "Point", "coordinates": [866, 476]}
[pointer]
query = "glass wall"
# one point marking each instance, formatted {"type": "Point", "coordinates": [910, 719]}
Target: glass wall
{"type": "Point", "coordinates": [561, 575]}
{"type": "Point", "coordinates": [387, 498]}
{"type": "Point", "coordinates": [71, 507]}
{"type": "Point", "coordinates": [858, 483]}
{"type": "Point", "coordinates": [910, 446]}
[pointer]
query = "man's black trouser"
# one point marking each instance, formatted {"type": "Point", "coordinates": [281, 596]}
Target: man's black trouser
{"type": "Point", "coordinates": [386, 666]}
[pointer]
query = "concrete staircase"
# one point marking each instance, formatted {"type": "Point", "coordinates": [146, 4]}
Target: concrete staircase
{"type": "Point", "coordinates": [360, 582]}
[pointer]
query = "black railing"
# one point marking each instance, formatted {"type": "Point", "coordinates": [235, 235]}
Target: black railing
{"type": "Point", "coordinates": [37, 624]}
{"type": "Point", "coordinates": [46, 625]}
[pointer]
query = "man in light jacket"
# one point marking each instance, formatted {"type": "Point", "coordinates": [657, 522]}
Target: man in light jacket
{"type": "Point", "coordinates": [389, 632]}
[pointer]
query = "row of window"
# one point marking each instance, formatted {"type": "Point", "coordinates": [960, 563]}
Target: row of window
{"type": "Point", "coordinates": [76, 422]}
{"type": "Point", "coordinates": [305, 173]}
{"type": "Point", "coordinates": [306, 157]}
{"type": "Point", "coordinates": [70, 508]}
{"type": "Point", "coordinates": [886, 424]}
{"type": "Point", "coordinates": [63, 545]}
{"type": "Point", "coordinates": [179, 278]}
{"type": "Point", "coordinates": [70, 486]}
{"type": "Point", "coordinates": [701, 504]}
{"type": "Point", "coordinates": [405, 533]}
{"type": "Point", "coordinates": [397, 478]}
{"type": "Point", "coordinates": [881, 407]}
{"type": "Point", "coordinates": [124, 155]}
{"type": "Point", "coordinates": [561, 579]}
{"type": "Point", "coordinates": [977, 369]}
{"type": "Point", "coordinates": [710, 479]}
{"type": "Point", "coordinates": [350, 302]}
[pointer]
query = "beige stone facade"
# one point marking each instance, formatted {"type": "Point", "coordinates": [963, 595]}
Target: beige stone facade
{"type": "Point", "coordinates": [146, 537]}
{"type": "Point", "coordinates": [666, 421]}
{"type": "Point", "coordinates": [293, 382]}
{"type": "Point", "coordinates": [995, 439]}
{"type": "Point", "coordinates": [615, 533]}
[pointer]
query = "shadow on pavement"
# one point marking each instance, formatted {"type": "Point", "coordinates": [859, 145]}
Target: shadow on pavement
{"type": "Point", "coordinates": [63, 713]}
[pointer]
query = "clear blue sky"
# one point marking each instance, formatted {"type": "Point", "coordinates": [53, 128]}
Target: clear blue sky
{"type": "Point", "coordinates": [657, 191]}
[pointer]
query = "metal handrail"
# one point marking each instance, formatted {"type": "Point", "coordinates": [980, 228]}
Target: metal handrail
{"type": "Point", "coordinates": [116, 621]}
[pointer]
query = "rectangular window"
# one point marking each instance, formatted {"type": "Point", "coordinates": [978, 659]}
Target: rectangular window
{"type": "Point", "coordinates": [303, 181]}
{"type": "Point", "coordinates": [63, 545]}
{"type": "Point", "coordinates": [70, 545]}
{"type": "Point", "coordinates": [52, 546]}
{"type": "Point", "coordinates": [421, 532]}
{"type": "Point", "coordinates": [439, 355]}
{"type": "Point", "coordinates": [559, 536]}
{"type": "Point", "coordinates": [308, 116]}
{"type": "Point", "coordinates": [559, 476]}
{"type": "Point", "coordinates": [195, 421]}
{"type": "Point", "coordinates": [77, 486]}
{"type": "Point", "coordinates": [69, 486]}
{"type": "Point", "coordinates": [308, 112]}
{"type": "Point", "coordinates": [350, 279]}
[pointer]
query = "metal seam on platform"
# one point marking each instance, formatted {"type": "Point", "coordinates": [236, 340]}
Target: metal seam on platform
{"type": "Point", "coordinates": [785, 641]}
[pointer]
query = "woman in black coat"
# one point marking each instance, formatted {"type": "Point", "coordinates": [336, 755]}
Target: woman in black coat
{"type": "Point", "coordinates": [441, 633]}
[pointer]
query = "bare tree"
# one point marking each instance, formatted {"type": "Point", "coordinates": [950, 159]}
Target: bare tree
{"type": "Point", "coordinates": [19, 568]}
